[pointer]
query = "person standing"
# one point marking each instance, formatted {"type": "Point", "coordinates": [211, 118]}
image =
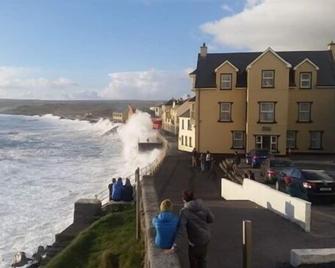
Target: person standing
{"type": "Point", "coordinates": [208, 160]}
{"type": "Point", "coordinates": [194, 222]}
{"type": "Point", "coordinates": [202, 162]}
{"type": "Point", "coordinates": [194, 158]}
{"type": "Point", "coordinates": [110, 188]}
{"type": "Point", "coordinates": [165, 224]}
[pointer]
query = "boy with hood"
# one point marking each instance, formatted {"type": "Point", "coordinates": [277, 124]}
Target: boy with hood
{"type": "Point", "coordinates": [165, 223]}
{"type": "Point", "coordinates": [194, 220]}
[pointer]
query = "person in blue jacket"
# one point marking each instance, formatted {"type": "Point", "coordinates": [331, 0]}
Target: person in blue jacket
{"type": "Point", "coordinates": [117, 190]}
{"type": "Point", "coordinates": [166, 224]}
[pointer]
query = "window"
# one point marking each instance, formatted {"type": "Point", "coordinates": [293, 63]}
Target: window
{"type": "Point", "coordinates": [226, 81]}
{"type": "Point", "coordinates": [185, 140]}
{"type": "Point", "coordinates": [238, 139]}
{"type": "Point", "coordinates": [304, 111]}
{"type": "Point", "coordinates": [259, 142]}
{"type": "Point", "coordinates": [189, 124]}
{"type": "Point", "coordinates": [267, 112]}
{"type": "Point", "coordinates": [306, 80]}
{"type": "Point", "coordinates": [291, 139]}
{"type": "Point", "coordinates": [268, 78]}
{"type": "Point", "coordinates": [315, 140]}
{"type": "Point", "coordinates": [190, 141]}
{"type": "Point", "coordinates": [182, 140]}
{"type": "Point", "coordinates": [225, 112]}
{"type": "Point", "coordinates": [182, 124]}
{"type": "Point", "coordinates": [274, 144]}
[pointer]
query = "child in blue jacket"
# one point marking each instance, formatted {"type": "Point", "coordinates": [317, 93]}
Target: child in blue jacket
{"type": "Point", "coordinates": [166, 224]}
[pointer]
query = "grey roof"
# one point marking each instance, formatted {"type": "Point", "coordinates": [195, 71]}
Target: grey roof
{"type": "Point", "coordinates": [170, 102]}
{"type": "Point", "coordinates": [186, 114]}
{"type": "Point", "coordinates": [205, 71]}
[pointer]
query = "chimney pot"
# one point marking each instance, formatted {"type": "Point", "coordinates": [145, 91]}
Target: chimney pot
{"type": "Point", "coordinates": [203, 50]}
{"type": "Point", "coordinates": [331, 47]}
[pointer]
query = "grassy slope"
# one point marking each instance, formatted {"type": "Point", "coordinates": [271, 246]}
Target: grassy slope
{"type": "Point", "coordinates": [108, 243]}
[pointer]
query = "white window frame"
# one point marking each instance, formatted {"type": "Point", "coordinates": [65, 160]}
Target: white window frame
{"type": "Point", "coordinates": [226, 81]}
{"type": "Point", "coordinates": [259, 142]}
{"type": "Point", "coordinates": [304, 80]}
{"type": "Point", "coordinates": [189, 127]}
{"type": "Point", "coordinates": [182, 124]}
{"type": "Point", "coordinates": [268, 78]}
{"type": "Point", "coordinates": [303, 112]}
{"type": "Point", "coordinates": [238, 141]}
{"type": "Point", "coordinates": [190, 141]}
{"type": "Point", "coordinates": [273, 143]}
{"type": "Point", "coordinates": [226, 112]}
{"type": "Point", "coordinates": [186, 141]}
{"type": "Point", "coordinates": [182, 139]}
{"type": "Point", "coordinates": [263, 111]}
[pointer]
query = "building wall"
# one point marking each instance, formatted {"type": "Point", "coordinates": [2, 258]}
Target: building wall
{"type": "Point", "coordinates": [216, 136]}
{"type": "Point", "coordinates": [278, 94]}
{"type": "Point", "coordinates": [186, 134]}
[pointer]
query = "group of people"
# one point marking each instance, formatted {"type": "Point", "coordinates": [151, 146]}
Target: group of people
{"type": "Point", "coordinates": [192, 222]}
{"type": "Point", "coordinates": [204, 160]}
{"type": "Point", "coordinates": [119, 191]}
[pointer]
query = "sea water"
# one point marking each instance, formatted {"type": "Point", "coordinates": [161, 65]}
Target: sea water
{"type": "Point", "coordinates": [47, 163]}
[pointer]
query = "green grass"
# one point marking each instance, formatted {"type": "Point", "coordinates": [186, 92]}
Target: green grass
{"type": "Point", "coordinates": [108, 243]}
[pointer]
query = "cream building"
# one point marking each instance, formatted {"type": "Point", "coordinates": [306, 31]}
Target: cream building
{"type": "Point", "coordinates": [186, 133]}
{"type": "Point", "coordinates": [273, 100]}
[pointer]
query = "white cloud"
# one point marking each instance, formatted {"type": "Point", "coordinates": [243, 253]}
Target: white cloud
{"type": "Point", "coordinates": [281, 24]}
{"type": "Point", "coordinates": [150, 84]}
{"type": "Point", "coordinates": [17, 82]}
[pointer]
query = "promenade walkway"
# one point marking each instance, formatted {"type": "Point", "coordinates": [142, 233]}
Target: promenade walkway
{"type": "Point", "coordinates": [273, 236]}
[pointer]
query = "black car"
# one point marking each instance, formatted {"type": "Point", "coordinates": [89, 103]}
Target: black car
{"type": "Point", "coordinates": [306, 184]}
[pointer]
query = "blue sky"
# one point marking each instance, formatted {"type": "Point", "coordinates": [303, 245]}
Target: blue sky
{"type": "Point", "coordinates": [68, 49]}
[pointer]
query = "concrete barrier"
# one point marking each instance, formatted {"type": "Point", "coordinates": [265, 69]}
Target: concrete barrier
{"type": "Point", "coordinates": [291, 208]}
{"type": "Point", "coordinates": [312, 256]}
{"type": "Point", "coordinates": [155, 257]}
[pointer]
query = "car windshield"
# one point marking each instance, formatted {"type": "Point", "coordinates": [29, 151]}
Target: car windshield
{"type": "Point", "coordinates": [313, 176]}
{"type": "Point", "coordinates": [280, 163]}
{"type": "Point", "coordinates": [261, 152]}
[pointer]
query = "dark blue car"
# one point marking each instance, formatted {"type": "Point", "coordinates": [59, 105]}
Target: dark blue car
{"type": "Point", "coordinates": [256, 156]}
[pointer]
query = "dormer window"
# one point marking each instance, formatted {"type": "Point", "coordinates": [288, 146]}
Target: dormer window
{"type": "Point", "coordinates": [226, 81]}
{"type": "Point", "coordinates": [268, 78]}
{"type": "Point", "coordinates": [306, 80]}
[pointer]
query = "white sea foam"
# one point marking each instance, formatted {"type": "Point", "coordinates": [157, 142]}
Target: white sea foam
{"type": "Point", "coordinates": [49, 163]}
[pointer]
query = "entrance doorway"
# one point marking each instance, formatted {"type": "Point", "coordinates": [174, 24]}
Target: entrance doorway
{"type": "Point", "coordinates": [269, 142]}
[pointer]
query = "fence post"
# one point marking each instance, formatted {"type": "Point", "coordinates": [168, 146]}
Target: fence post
{"type": "Point", "coordinates": [138, 190]}
{"type": "Point", "coordinates": [247, 243]}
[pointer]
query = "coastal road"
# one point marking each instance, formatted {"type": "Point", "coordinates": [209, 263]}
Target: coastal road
{"type": "Point", "coordinates": [273, 236]}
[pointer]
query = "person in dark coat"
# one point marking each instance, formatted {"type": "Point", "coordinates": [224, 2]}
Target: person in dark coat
{"type": "Point", "coordinates": [194, 223]}
{"type": "Point", "coordinates": [110, 188]}
{"type": "Point", "coordinates": [127, 191]}
{"type": "Point", "coordinates": [194, 158]}
{"type": "Point", "coordinates": [117, 190]}
{"type": "Point", "coordinates": [165, 223]}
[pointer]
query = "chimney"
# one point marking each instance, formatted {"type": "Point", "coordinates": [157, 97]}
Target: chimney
{"type": "Point", "coordinates": [331, 47]}
{"type": "Point", "coordinates": [203, 50]}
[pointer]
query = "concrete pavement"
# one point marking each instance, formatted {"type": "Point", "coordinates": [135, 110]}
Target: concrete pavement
{"type": "Point", "coordinates": [273, 236]}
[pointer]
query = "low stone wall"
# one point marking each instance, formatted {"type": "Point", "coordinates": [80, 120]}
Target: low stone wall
{"type": "Point", "coordinates": [291, 208]}
{"type": "Point", "coordinates": [155, 257]}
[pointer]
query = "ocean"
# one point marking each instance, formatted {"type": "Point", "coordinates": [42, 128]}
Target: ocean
{"type": "Point", "coordinates": [47, 163]}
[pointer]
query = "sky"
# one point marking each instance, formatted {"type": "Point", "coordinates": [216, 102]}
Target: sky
{"type": "Point", "coordinates": [141, 49]}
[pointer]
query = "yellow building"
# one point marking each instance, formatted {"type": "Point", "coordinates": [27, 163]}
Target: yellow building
{"type": "Point", "coordinates": [169, 115]}
{"type": "Point", "coordinates": [274, 100]}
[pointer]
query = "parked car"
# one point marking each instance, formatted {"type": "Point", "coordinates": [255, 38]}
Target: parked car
{"type": "Point", "coordinates": [271, 167]}
{"type": "Point", "coordinates": [256, 156]}
{"type": "Point", "coordinates": [306, 184]}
